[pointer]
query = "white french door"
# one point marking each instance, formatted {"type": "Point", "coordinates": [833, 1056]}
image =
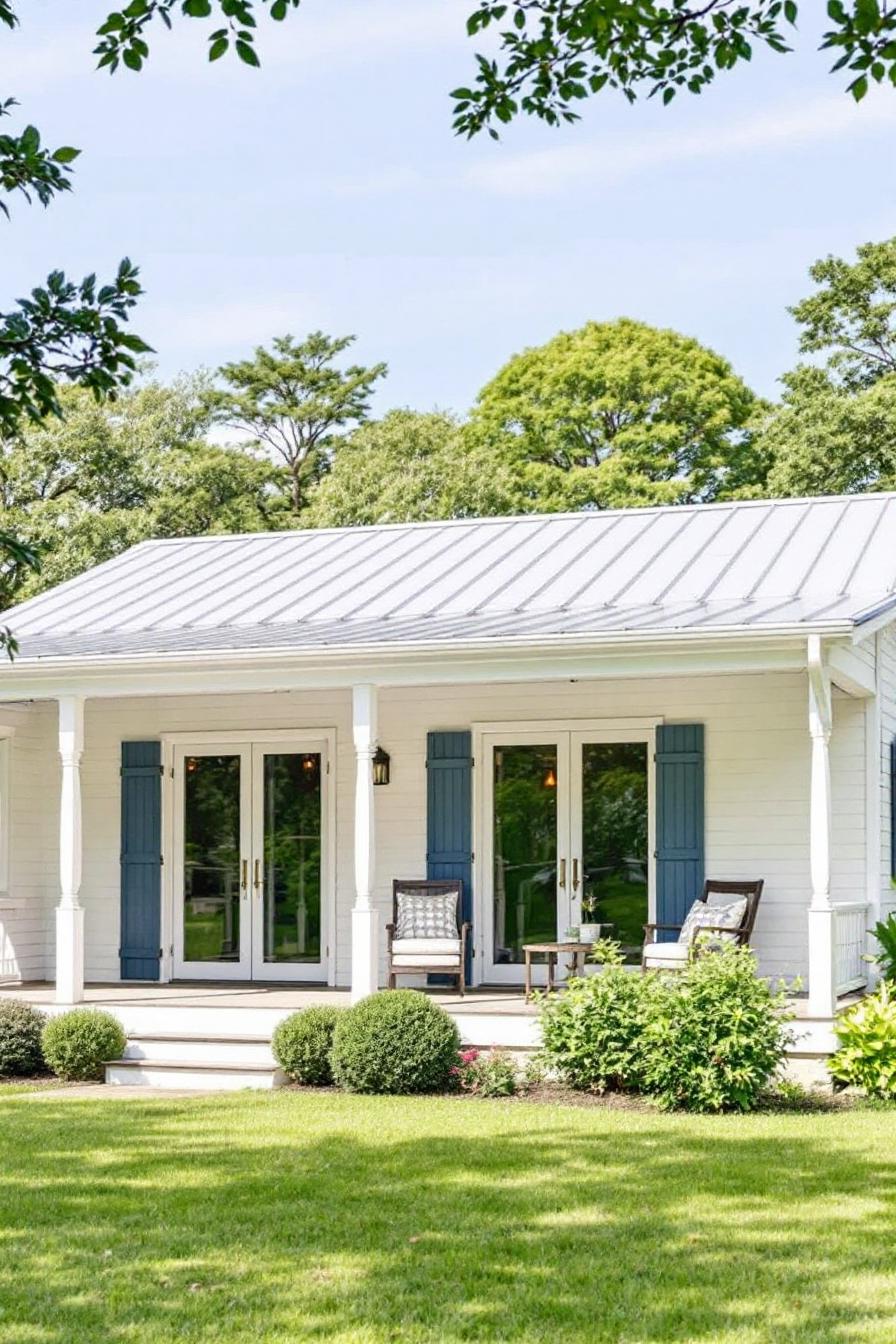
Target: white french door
{"type": "Point", "coordinates": [251, 860]}
{"type": "Point", "coordinates": [566, 839]}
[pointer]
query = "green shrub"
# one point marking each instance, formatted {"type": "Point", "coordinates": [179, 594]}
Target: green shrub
{"type": "Point", "coordinates": [77, 1044]}
{"type": "Point", "coordinates": [866, 1033]}
{"type": "Point", "coordinates": [398, 1041]}
{"type": "Point", "coordinates": [716, 1034]}
{"type": "Point", "coordinates": [885, 935]}
{"type": "Point", "coordinates": [493, 1074]}
{"type": "Point", "coordinates": [20, 1029]}
{"type": "Point", "coordinates": [593, 1034]}
{"type": "Point", "coordinates": [302, 1045]}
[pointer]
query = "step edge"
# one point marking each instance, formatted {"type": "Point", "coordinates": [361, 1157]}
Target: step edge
{"type": "Point", "coordinates": [205, 1065]}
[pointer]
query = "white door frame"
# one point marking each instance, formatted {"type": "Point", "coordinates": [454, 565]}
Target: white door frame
{"type": "Point", "coordinates": [315, 739]}
{"type": "Point", "coordinates": [485, 736]}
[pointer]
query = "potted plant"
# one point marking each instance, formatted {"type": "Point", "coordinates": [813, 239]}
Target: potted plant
{"type": "Point", "coordinates": [589, 932]}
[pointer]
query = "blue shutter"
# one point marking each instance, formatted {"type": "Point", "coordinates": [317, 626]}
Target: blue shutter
{"type": "Point", "coordinates": [679, 821]}
{"type": "Point", "coordinates": [141, 859]}
{"type": "Point", "coordinates": [449, 817]}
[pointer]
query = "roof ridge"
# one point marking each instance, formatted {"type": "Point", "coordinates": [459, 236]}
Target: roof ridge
{"type": "Point", "coordinates": [533, 518]}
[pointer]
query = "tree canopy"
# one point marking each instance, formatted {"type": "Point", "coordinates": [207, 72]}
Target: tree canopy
{"type": "Point", "coordinates": [83, 488]}
{"type": "Point", "coordinates": [618, 414]}
{"type": "Point", "coordinates": [410, 466]}
{"type": "Point", "coordinates": [827, 440]}
{"type": "Point", "coordinates": [295, 402]}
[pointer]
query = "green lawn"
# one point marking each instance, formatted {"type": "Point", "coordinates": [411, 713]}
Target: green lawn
{"type": "Point", "coordinates": [315, 1217]}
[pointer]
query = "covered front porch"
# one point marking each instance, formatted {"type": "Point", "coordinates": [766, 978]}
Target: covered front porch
{"type": "Point", "coordinates": [786, 733]}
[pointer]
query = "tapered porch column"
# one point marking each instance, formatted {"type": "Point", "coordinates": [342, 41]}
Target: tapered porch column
{"type": "Point", "coordinates": [69, 912]}
{"type": "Point", "coordinates": [365, 948]}
{"type": "Point", "coordinates": [822, 951]}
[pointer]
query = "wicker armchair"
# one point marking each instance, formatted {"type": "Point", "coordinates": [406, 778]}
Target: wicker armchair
{"type": "Point", "coordinates": [670, 956]}
{"type": "Point", "coordinates": [427, 934]}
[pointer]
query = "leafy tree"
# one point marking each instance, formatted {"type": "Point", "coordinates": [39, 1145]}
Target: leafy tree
{"type": "Point", "coordinates": [852, 316]}
{"type": "Point", "coordinates": [827, 440]}
{"type": "Point", "coordinates": [618, 414]}
{"type": "Point", "coordinates": [409, 467]}
{"type": "Point", "coordinates": [553, 53]}
{"type": "Point", "coordinates": [83, 488]}
{"type": "Point", "coordinates": [294, 401]}
{"type": "Point", "coordinates": [835, 429]}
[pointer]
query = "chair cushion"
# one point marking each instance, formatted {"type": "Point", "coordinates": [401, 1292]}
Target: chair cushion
{"type": "Point", "coordinates": [666, 956]}
{"type": "Point", "coordinates": [426, 914]}
{"type": "Point", "coordinates": [446, 947]}
{"type": "Point", "coordinates": [701, 915]}
{"type": "Point", "coordinates": [430, 960]}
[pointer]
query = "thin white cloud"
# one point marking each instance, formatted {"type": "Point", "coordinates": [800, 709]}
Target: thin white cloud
{"type": "Point", "coordinates": [544, 172]}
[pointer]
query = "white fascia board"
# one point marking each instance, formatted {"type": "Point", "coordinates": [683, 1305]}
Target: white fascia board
{"type": "Point", "coordinates": [291, 669]}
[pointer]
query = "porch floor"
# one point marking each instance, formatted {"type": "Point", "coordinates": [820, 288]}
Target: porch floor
{"type": "Point", "coordinates": [498, 1000]}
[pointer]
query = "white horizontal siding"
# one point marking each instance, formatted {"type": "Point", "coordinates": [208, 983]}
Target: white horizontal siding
{"type": "Point", "coordinates": [887, 683]}
{"type": "Point", "coordinates": [33, 851]}
{"type": "Point", "coordinates": [757, 786]}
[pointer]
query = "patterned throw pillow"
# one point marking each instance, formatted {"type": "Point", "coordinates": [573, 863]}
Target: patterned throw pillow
{"type": "Point", "coordinates": [424, 915]}
{"type": "Point", "coordinates": [701, 916]}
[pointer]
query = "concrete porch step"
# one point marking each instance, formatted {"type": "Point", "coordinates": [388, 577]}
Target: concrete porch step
{"type": "Point", "coordinates": [180, 1047]}
{"type": "Point", "coordinates": [202, 1075]}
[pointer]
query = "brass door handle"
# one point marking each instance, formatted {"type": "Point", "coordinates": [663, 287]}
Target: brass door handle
{"type": "Point", "coordinates": [244, 878]}
{"type": "Point", "coordinates": [562, 878]}
{"type": "Point", "coordinates": [257, 882]}
{"type": "Point", "coordinates": [575, 874]}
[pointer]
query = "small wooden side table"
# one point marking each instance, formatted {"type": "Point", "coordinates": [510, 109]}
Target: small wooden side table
{"type": "Point", "coordinates": [577, 951]}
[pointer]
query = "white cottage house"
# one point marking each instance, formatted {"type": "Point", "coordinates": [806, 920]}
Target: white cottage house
{"type": "Point", "coordinates": [592, 708]}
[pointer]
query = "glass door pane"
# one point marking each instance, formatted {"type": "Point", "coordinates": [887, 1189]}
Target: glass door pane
{"type": "Point", "coordinates": [614, 841]}
{"type": "Point", "coordinates": [291, 899]}
{"type": "Point", "coordinates": [212, 925]}
{"type": "Point", "coordinates": [524, 848]}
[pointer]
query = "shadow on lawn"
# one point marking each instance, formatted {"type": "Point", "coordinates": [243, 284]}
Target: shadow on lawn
{"type": "Point", "coordinates": [387, 1220]}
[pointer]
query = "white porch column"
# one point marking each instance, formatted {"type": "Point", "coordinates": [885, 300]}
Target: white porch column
{"type": "Point", "coordinates": [822, 950]}
{"type": "Point", "coordinates": [69, 912]}
{"type": "Point", "coordinates": [365, 930]}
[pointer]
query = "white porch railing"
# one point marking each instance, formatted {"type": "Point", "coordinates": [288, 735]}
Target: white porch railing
{"type": "Point", "coordinates": [850, 942]}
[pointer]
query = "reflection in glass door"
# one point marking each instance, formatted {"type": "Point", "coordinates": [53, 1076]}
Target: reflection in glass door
{"type": "Point", "coordinates": [250, 871]}
{"type": "Point", "coordinates": [288, 866]}
{"type": "Point", "coordinates": [610, 840]}
{"type": "Point", "coordinates": [211, 869]}
{"type": "Point", "coordinates": [567, 821]}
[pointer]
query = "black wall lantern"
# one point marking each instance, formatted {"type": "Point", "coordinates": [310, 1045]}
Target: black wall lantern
{"type": "Point", "coordinates": [380, 766]}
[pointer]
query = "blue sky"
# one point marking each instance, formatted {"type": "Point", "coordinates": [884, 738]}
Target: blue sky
{"type": "Point", "coordinates": [326, 190]}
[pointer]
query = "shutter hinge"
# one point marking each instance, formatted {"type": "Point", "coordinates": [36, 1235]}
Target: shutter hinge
{"type": "Point", "coordinates": [171, 950]}
{"type": "Point", "coordinates": [162, 770]}
{"type": "Point", "coordinates": [161, 860]}
{"type": "Point", "coordinates": [171, 772]}
{"type": "Point", "coordinates": [161, 953]}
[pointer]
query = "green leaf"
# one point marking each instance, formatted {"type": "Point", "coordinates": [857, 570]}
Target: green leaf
{"type": "Point", "coordinates": [247, 53]}
{"type": "Point", "coordinates": [66, 154]}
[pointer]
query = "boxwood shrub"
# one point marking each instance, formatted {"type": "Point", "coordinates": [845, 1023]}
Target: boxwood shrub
{"type": "Point", "coordinates": [302, 1043]}
{"type": "Point", "coordinates": [20, 1031]}
{"type": "Point", "coordinates": [398, 1041]}
{"type": "Point", "coordinates": [77, 1044]}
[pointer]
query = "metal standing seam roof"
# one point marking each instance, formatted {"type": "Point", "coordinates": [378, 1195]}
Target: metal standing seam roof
{"type": "Point", "coordinates": [752, 566]}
